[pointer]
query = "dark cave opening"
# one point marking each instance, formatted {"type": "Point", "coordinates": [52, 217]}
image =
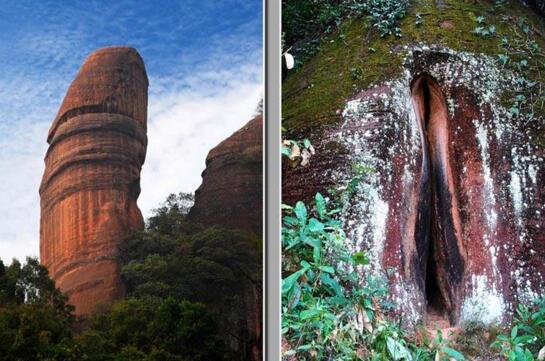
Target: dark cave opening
{"type": "Point", "coordinates": [435, 302]}
{"type": "Point", "coordinates": [430, 108]}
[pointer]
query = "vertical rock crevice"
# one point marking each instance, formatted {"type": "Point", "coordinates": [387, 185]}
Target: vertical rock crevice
{"type": "Point", "coordinates": [438, 226]}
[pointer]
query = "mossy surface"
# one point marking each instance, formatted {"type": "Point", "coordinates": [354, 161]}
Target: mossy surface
{"type": "Point", "coordinates": [355, 57]}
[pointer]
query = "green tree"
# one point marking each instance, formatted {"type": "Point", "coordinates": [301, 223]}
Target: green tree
{"type": "Point", "coordinates": [151, 328]}
{"type": "Point", "coordinates": [35, 320]}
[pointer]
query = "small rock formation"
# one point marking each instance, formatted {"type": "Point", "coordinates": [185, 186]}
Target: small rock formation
{"type": "Point", "coordinates": [231, 193]}
{"type": "Point", "coordinates": [97, 145]}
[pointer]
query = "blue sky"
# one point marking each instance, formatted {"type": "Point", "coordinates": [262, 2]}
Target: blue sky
{"type": "Point", "coordinates": [204, 62]}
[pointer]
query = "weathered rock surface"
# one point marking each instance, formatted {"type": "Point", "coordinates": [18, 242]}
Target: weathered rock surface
{"type": "Point", "coordinates": [231, 193]}
{"type": "Point", "coordinates": [455, 202]}
{"type": "Point", "coordinates": [231, 196]}
{"type": "Point", "coordinates": [97, 145]}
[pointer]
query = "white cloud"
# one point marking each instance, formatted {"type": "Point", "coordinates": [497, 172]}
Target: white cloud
{"type": "Point", "coordinates": [183, 126]}
{"type": "Point", "coordinates": [21, 162]}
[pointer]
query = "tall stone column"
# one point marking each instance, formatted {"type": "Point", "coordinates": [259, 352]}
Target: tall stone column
{"type": "Point", "coordinates": [97, 145]}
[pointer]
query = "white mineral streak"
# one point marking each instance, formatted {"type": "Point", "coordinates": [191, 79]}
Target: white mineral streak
{"type": "Point", "coordinates": [489, 199]}
{"type": "Point", "coordinates": [388, 116]}
{"type": "Point", "coordinates": [515, 186]}
{"type": "Point", "coordinates": [483, 303]}
{"type": "Point", "coordinates": [366, 217]}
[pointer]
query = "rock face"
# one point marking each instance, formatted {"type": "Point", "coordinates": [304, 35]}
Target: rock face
{"type": "Point", "coordinates": [231, 193]}
{"type": "Point", "coordinates": [97, 145]}
{"type": "Point", "coordinates": [455, 200]}
{"type": "Point", "coordinates": [231, 196]}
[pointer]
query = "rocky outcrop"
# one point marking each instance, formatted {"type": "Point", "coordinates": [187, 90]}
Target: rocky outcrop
{"type": "Point", "coordinates": [231, 193]}
{"type": "Point", "coordinates": [455, 198]}
{"type": "Point", "coordinates": [231, 196]}
{"type": "Point", "coordinates": [97, 145]}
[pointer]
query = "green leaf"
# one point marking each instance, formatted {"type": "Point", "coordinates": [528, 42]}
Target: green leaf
{"type": "Point", "coordinates": [315, 225]}
{"type": "Point", "coordinates": [335, 286]}
{"type": "Point", "coordinates": [289, 282]}
{"type": "Point", "coordinates": [327, 269]}
{"type": "Point", "coordinates": [514, 332]}
{"type": "Point", "coordinates": [306, 143]}
{"type": "Point", "coordinates": [523, 339]}
{"type": "Point", "coordinates": [306, 314]}
{"type": "Point", "coordinates": [301, 212]}
{"type": "Point", "coordinates": [503, 58]}
{"type": "Point", "coordinates": [360, 258]}
{"type": "Point", "coordinates": [520, 354]}
{"type": "Point", "coordinates": [453, 353]}
{"type": "Point", "coordinates": [397, 350]}
{"type": "Point", "coordinates": [320, 205]}
{"type": "Point", "coordinates": [317, 254]}
{"type": "Point", "coordinates": [313, 242]}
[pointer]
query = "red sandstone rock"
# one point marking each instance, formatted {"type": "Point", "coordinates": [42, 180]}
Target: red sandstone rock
{"type": "Point", "coordinates": [97, 145]}
{"type": "Point", "coordinates": [455, 203]}
{"type": "Point", "coordinates": [231, 196]}
{"type": "Point", "coordinates": [231, 193]}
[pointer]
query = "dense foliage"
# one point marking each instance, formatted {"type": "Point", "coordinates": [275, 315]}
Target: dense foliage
{"type": "Point", "coordinates": [189, 294]}
{"type": "Point", "coordinates": [327, 312]}
{"type": "Point", "coordinates": [35, 321]}
{"type": "Point", "coordinates": [216, 267]}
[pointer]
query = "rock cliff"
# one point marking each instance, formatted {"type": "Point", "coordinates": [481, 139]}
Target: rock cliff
{"type": "Point", "coordinates": [97, 145]}
{"type": "Point", "coordinates": [231, 196]}
{"type": "Point", "coordinates": [455, 199]}
{"type": "Point", "coordinates": [231, 193]}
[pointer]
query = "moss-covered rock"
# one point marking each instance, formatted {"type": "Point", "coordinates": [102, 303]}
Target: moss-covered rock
{"type": "Point", "coordinates": [355, 56]}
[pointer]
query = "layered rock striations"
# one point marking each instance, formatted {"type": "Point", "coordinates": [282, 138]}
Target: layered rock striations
{"type": "Point", "coordinates": [97, 145]}
{"type": "Point", "coordinates": [231, 193]}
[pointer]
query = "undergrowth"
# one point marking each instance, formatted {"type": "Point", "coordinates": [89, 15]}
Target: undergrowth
{"type": "Point", "coordinates": [327, 312]}
{"type": "Point", "coordinates": [526, 339]}
{"type": "Point", "coordinates": [333, 309]}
